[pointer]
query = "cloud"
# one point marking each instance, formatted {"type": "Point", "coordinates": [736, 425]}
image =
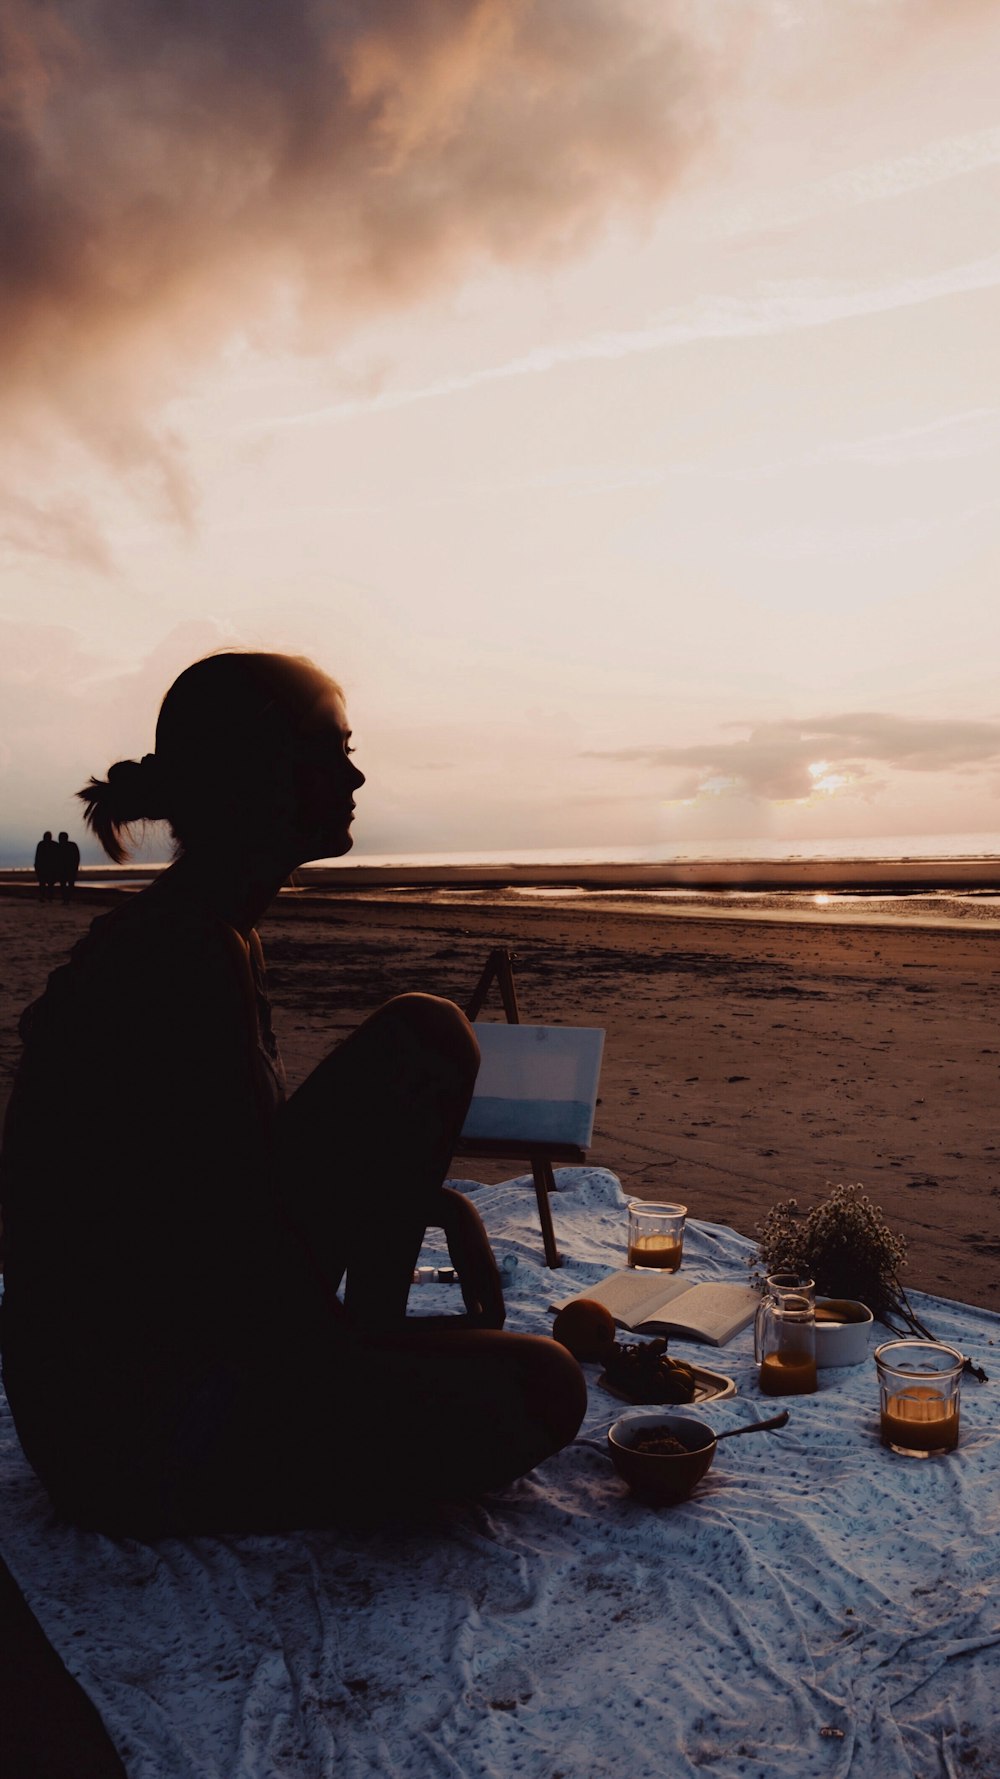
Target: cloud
{"type": "Point", "coordinates": [62, 528]}
{"type": "Point", "coordinates": [935, 163]}
{"type": "Point", "coordinates": [173, 174]}
{"type": "Point", "coordinates": [796, 759]}
{"type": "Point", "coordinates": [180, 176]}
{"type": "Point", "coordinates": [786, 307]}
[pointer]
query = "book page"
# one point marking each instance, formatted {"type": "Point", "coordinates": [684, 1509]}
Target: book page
{"type": "Point", "coordinates": [711, 1312]}
{"type": "Point", "coordinates": [633, 1296]}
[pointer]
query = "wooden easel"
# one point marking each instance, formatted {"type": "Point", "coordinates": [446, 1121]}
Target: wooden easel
{"type": "Point", "coordinates": [499, 968]}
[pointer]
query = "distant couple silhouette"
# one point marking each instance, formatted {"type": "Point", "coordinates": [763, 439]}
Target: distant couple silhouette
{"type": "Point", "coordinates": [176, 1354]}
{"type": "Point", "coordinates": [56, 862]}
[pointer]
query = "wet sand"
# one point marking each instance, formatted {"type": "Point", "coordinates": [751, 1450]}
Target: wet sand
{"type": "Point", "coordinates": [745, 1061]}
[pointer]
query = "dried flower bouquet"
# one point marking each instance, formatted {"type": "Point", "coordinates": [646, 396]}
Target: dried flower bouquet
{"type": "Point", "coordinates": [845, 1245]}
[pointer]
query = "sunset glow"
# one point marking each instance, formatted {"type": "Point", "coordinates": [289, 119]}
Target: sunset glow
{"type": "Point", "coordinates": [603, 394]}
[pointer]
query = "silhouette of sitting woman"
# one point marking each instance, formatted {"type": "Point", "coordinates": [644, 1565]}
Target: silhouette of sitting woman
{"type": "Point", "coordinates": [176, 1354]}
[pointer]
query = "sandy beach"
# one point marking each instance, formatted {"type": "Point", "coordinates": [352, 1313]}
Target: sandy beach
{"type": "Point", "coordinates": [745, 1060]}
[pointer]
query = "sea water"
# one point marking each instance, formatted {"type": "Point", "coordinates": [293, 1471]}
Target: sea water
{"type": "Point", "coordinates": [807, 897]}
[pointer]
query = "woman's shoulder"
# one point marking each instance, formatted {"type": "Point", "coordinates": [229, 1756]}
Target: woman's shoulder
{"type": "Point", "coordinates": [148, 925]}
{"type": "Point", "coordinates": [159, 936]}
{"type": "Point", "coordinates": [145, 950]}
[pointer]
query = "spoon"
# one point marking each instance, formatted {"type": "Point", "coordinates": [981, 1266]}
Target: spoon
{"type": "Point", "coordinates": [755, 1426]}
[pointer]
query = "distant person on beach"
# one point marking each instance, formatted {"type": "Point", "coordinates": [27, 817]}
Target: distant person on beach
{"type": "Point", "coordinates": [176, 1354]}
{"type": "Point", "coordinates": [46, 866]}
{"type": "Point", "coordinates": [69, 864]}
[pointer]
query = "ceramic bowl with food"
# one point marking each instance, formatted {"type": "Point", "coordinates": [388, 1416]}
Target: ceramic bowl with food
{"type": "Point", "coordinates": [661, 1456]}
{"type": "Point", "coordinates": [842, 1330]}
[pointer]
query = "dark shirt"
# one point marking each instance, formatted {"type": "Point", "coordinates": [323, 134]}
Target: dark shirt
{"type": "Point", "coordinates": [143, 1236]}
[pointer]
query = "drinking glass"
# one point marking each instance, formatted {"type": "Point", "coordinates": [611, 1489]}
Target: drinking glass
{"type": "Point", "coordinates": [655, 1236]}
{"type": "Point", "coordinates": [918, 1383]}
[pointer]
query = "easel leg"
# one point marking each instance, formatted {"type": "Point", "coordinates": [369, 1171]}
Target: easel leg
{"type": "Point", "coordinates": [544, 1179]}
{"type": "Point", "coordinates": [499, 968]}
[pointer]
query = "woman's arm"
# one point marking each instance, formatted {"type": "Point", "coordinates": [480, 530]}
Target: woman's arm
{"type": "Point", "coordinates": [472, 1258]}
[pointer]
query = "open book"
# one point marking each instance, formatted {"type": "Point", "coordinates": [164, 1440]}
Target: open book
{"type": "Point", "coordinates": [649, 1303]}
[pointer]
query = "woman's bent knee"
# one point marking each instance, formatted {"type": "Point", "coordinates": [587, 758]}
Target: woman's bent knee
{"type": "Point", "coordinates": [555, 1389]}
{"type": "Point", "coordinates": [484, 1407]}
{"type": "Point", "coordinates": [436, 1024]}
{"type": "Point", "coordinates": [432, 1016]}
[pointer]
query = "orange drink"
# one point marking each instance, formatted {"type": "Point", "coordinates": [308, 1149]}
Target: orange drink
{"type": "Point", "coordinates": [919, 1384]}
{"type": "Point", "coordinates": [784, 1336]}
{"type": "Point", "coordinates": [663, 1252]}
{"type": "Point", "coordinates": [922, 1420]}
{"type": "Point", "coordinates": [788, 1374]}
{"type": "Point", "coordinates": [655, 1235]}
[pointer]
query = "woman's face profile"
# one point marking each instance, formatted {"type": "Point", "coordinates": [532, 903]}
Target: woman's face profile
{"type": "Point", "coordinates": [324, 778]}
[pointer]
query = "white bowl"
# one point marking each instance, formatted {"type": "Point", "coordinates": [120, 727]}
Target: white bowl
{"type": "Point", "coordinates": [842, 1342]}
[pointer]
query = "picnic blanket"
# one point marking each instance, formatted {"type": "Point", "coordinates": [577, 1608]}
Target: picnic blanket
{"type": "Point", "coordinates": [820, 1606]}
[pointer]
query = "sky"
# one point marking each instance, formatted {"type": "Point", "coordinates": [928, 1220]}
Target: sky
{"type": "Point", "coordinates": [605, 392]}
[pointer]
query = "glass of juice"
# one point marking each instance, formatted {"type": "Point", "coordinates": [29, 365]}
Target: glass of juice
{"type": "Point", "coordinates": [784, 1336]}
{"type": "Point", "coordinates": [918, 1384]}
{"type": "Point", "coordinates": [655, 1236]}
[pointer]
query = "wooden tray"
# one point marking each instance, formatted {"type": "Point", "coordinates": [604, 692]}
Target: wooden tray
{"type": "Point", "coordinates": [710, 1386]}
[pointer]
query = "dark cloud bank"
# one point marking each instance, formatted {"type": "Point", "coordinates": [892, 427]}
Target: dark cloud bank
{"type": "Point", "coordinates": [172, 171]}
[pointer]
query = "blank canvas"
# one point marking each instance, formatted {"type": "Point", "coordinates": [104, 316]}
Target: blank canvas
{"type": "Point", "coordinates": [537, 1083]}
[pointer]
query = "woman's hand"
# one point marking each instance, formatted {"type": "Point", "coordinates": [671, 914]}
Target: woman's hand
{"type": "Point", "coordinates": [472, 1258]}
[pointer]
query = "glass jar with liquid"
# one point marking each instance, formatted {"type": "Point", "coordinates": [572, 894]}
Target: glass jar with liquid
{"type": "Point", "coordinates": [784, 1336]}
{"type": "Point", "coordinates": [655, 1236]}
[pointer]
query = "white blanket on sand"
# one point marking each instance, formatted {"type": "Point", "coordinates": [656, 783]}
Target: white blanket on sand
{"type": "Point", "coordinates": [820, 1607]}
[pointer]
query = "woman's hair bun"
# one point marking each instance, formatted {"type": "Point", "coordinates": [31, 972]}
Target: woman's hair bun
{"type": "Point", "coordinates": [132, 792]}
{"type": "Point", "coordinates": [136, 782]}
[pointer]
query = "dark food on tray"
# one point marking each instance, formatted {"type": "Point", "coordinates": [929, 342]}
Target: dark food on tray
{"type": "Point", "coordinates": [642, 1371]}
